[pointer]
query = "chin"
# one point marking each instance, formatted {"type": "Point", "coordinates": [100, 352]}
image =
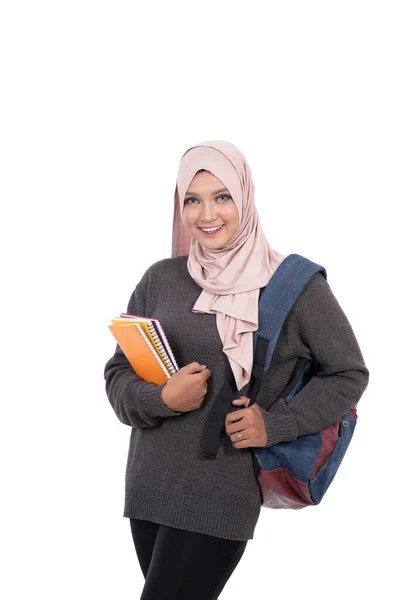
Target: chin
{"type": "Point", "coordinates": [214, 246]}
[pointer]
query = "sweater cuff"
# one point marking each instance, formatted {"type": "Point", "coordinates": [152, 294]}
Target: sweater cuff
{"type": "Point", "coordinates": [150, 402]}
{"type": "Point", "coordinates": [280, 423]}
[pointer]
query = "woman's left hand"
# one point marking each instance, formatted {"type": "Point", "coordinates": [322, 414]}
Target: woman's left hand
{"type": "Point", "coordinates": [249, 422]}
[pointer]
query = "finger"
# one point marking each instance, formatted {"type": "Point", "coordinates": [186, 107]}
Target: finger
{"type": "Point", "coordinates": [194, 367]}
{"type": "Point", "coordinates": [205, 373]}
{"type": "Point", "coordinates": [242, 444]}
{"type": "Point", "coordinates": [235, 415]}
{"type": "Point", "coordinates": [234, 430]}
{"type": "Point", "coordinates": [242, 401]}
{"type": "Point", "coordinates": [235, 439]}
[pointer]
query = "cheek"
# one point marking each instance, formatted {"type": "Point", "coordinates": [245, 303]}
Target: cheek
{"type": "Point", "coordinates": [230, 214]}
{"type": "Point", "coordinates": [189, 217]}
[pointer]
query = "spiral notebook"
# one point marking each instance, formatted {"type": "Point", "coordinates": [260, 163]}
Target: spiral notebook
{"type": "Point", "coordinates": [145, 345]}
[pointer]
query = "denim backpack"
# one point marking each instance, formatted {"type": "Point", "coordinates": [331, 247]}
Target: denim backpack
{"type": "Point", "coordinates": [292, 474]}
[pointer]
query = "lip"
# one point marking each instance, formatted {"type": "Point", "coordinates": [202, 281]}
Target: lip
{"type": "Point", "coordinates": [214, 232]}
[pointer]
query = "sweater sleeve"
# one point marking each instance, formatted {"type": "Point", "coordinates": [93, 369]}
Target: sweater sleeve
{"type": "Point", "coordinates": [341, 376]}
{"type": "Point", "coordinates": [136, 402]}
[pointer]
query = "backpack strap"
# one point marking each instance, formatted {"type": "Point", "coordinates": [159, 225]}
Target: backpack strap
{"type": "Point", "coordinates": [282, 291]}
{"type": "Point", "coordinates": [275, 302]}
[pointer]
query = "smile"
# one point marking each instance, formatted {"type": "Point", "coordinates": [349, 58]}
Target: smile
{"type": "Point", "coordinates": [211, 230]}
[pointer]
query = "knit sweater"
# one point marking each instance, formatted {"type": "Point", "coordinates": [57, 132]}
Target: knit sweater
{"type": "Point", "coordinates": [167, 479]}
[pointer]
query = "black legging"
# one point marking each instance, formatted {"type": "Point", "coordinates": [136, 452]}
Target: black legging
{"type": "Point", "coordinates": [182, 565]}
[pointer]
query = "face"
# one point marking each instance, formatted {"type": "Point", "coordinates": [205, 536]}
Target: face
{"type": "Point", "coordinates": [209, 204]}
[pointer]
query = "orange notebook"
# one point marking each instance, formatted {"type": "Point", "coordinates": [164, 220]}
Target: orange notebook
{"type": "Point", "coordinates": [149, 354]}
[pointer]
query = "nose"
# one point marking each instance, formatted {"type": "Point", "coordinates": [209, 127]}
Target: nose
{"type": "Point", "coordinates": [208, 213]}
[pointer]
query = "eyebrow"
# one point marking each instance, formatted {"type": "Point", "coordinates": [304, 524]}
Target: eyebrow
{"type": "Point", "coordinates": [213, 194]}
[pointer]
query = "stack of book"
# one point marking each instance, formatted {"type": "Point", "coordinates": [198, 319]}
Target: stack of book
{"type": "Point", "coordinates": [146, 347]}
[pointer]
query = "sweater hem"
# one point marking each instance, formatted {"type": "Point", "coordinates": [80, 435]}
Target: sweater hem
{"type": "Point", "coordinates": [211, 516]}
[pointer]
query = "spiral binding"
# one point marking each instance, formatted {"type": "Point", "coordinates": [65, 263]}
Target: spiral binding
{"type": "Point", "coordinates": [160, 347]}
{"type": "Point", "coordinates": [144, 336]}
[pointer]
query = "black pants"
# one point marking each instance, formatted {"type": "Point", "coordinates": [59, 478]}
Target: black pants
{"type": "Point", "coordinates": [182, 565]}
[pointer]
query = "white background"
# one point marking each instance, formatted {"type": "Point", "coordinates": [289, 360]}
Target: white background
{"type": "Point", "coordinates": [99, 100]}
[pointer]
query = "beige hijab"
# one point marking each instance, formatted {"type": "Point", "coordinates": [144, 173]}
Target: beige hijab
{"type": "Point", "coordinates": [231, 277]}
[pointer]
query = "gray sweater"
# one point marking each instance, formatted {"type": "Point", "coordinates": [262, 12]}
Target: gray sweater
{"type": "Point", "coordinates": [167, 479]}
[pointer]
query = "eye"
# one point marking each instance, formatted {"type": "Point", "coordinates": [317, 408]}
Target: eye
{"type": "Point", "coordinates": [186, 201]}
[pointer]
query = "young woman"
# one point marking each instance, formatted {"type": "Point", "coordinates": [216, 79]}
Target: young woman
{"type": "Point", "coordinates": [190, 517]}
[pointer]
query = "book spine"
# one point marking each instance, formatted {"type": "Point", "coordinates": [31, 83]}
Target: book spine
{"type": "Point", "coordinates": [144, 336]}
{"type": "Point", "coordinates": [168, 346]}
{"type": "Point", "coordinates": [160, 347]}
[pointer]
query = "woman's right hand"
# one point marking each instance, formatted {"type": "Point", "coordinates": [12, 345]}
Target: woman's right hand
{"type": "Point", "coordinates": [186, 389]}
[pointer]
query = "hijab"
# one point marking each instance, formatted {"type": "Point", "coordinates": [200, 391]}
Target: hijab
{"type": "Point", "coordinates": [231, 276]}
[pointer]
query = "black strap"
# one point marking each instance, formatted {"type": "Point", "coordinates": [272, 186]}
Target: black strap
{"type": "Point", "coordinates": [215, 425]}
{"type": "Point", "coordinates": [260, 356]}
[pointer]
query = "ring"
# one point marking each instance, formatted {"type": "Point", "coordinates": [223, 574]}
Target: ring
{"type": "Point", "coordinates": [239, 435]}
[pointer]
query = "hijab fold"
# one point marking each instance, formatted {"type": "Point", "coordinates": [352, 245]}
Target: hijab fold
{"type": "Point", "coordinates": [231, 276]}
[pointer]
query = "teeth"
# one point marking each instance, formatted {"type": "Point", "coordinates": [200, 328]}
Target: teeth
{"type": "Point", "coordinates": [213, 229]}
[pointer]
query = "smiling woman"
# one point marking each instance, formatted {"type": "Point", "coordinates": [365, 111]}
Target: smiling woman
{"type": "Point", "coordinates": [191, 517]}
{"type": "Point", "coordinates": [210, 213]}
